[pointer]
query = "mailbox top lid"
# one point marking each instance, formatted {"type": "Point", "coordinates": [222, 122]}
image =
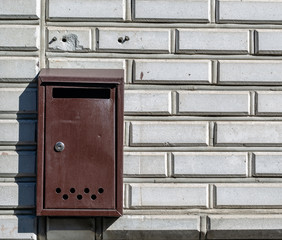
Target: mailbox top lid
{"type": "Point", "coordinates": [81, 75]}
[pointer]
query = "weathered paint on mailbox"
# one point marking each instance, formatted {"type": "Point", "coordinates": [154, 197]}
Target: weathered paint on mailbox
{"type": "Point", "coordinates": [80, 129]}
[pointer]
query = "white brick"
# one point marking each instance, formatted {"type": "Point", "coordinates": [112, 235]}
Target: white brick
{"type": "Point", "coordinates": [150, 102]}
{"type": "Point", "coordinates": [180, 10]}
{"type": "Point", "coordinates": [269, 42]}
{"type": "Point", "coordinates": [249, 133]}
{"type": "Point", "coordinates": [269, 102]}
{"type": "Point", "coordinates": [152, 227]}
{"type": "Point", "coordinates": [71, 39]}
{"type": "Point", "coordinates": [209, 164]}
{"type": "Point", "coordinates": [172, 71]}
{"type": "Point", "coordinates": [213, 41]}
{"type": "Point", "coordinates": [211, 102]}
{"type": "Point", "coordinates": [250, 11]}
{"type": "Point", "coordinates": [18, 99]}
{"type": "Point", "coordinates": [86, 9]}
{"type": "Point", "coordinates": [85, 63]}
{"type": "Point", "coordinates": [20, 195]}
{"type": "Point", "coordinates": [140, 40]}
{"type": "Point", "coordinates": [144, 164]}
{"type": "Point", "coordinates": [169, 133]}
{"type": "Point", "coordinates": [244, 227]}
{"type": "Point", "coordinates": [268, 164]}
{"type": "Point", "coordinates": [19, 9]}
{"type": "Point", "coordinates": [169, 195]}
{"type": "Point", "coordinates": [245, 222]}
{"type": "Point", "coordinates": [12, 131]}
{"type": "Point", "coordinates": [18, 227]}
{"type": "Point", "coordinates": [248, 195]}
{"type": "Point", "coordinates": [17, 163]}
{"type": "Point", "coordinates": [70, 228]}
{"type": "Point", "coordinates": [250, 72]}
{"type": "Point", "coordinates": [18, 68]}
{"type": "Point", "coordinates": [19, 37]}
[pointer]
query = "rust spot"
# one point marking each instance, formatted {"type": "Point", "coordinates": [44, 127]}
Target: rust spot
{"type": "Point", "coordinates": [4, 154]}
{"type": "Point", "coordinates": [3, 229]}
{"type": "Point", "coordinates": [13, 230]}
{"type": "Point", "coordinates": [141, 75]}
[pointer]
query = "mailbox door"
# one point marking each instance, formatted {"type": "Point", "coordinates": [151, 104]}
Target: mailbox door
{"type": "Point", "coordinates": [80, 171]}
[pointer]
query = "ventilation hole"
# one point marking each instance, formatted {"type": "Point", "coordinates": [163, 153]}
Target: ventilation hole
{"type": "Point", "coordinates": [86, 190]}
{"type": "Point", "coordinates": [58, 190]}
{"type": "Point", "coordinates": [100, 190]}
{"type": "Point", "coordinates": [65, 196]}
{"type": "Point", "coordinates": [120, 39]}
{"type": "Point", "coordinates": [93, 197]}
{"type": "Point", "coordinates": [72, 190]}
{"type": "Point", "coordinates": [79, 197]}
{"type": "Point", "coordinates": [64, 39]}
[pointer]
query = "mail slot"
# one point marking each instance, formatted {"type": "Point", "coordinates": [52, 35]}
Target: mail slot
{"type": "Point", "coordinates": [80, 129]}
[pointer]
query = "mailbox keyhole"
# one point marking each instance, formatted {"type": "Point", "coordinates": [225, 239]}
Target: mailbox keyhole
{"type": "Point", "coordinates": [65, 196]}
{"type": "Point", "coordinates": [79, 197]}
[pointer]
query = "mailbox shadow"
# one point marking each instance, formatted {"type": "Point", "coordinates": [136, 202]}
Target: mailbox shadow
{"type": "Point", "coordinates": [23, 133]}
{"type": "Point", "coordinates": [104, 224]}
{"type": "Point", "coordinates": [26, 164]}
{"type": "Point", "coordinates": [27, 115]}
{"type": "Point", "coordinates": [27, 226]}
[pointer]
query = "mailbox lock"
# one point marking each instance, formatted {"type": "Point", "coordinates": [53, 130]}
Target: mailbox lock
{"type": "Point", "coordinates": [59, 146]}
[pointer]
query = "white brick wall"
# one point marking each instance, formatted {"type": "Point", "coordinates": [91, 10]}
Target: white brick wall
{"type": "Point", "coordinates": [205, 102]}
{"type": "Point", "coordinates": [69, 39]}
{"type": "Point", "coordinates": [152, 40]}
{"type": "Point", "coordinates": [248, 133]}
{"type": "Point", "coordinates": [22, 131]}
{"type": "Point", "coordinates": [19, 37]}
{"type": "Point", "coordinates": [17, 163]}
{"type": "Point", "coordinates": [269, 42]}
{"type": "Point", "coordinates": [178, 11]}
{"type": "Point", "coordinates": [18, 99]}
{"type": "Point", "coordinates": [171, 72]}
{"type": "Point", "coordinates": [168, 195]}
{"type": "Point", "coordinates": [268, 164]}
{"type": "Point", "coordinates": [142, 102]}
{"type": "Point", "coordinates": [250, 72]}
{"type": "Point", "coordinates": [18, 68]}
{"type": "Point", "coordinates": [19, 9]}
{"type": "Point", "coordinates": [18, 227]}
{"type": "Point", "coordinates": [249, 11]}
{"type": "Point", "coordinates": [145, 164]}
{"type": "Point", "coordinates": [269, 102]}
{"type": "Point", "coordinates": [242, 227]}
{"type": "Point", "coordinates": [173, 227]}
{"type": "Point", "coordinates": [248, 195]}
{"type": "Point", "coordinates": [211, 41]}
{"type": "Point", "coordinates": [89, 9]}
{"type": "Point", "coordinates": [85, 63]}
{"type": "Point", "coordinates": [169, 134]}
{"type": "Point", "coordinates": [209, 164]}
{"type": "Point", "coordinates": [202, 139]}
{"type": "Point", "coordinates": [21, 195]}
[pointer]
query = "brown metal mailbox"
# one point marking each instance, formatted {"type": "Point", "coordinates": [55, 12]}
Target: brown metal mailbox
{"type": "Point", "coordinates": [80, 129]}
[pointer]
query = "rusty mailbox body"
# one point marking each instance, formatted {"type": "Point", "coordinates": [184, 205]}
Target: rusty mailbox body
{"type": "Point", "coordinates": [80, 129]}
